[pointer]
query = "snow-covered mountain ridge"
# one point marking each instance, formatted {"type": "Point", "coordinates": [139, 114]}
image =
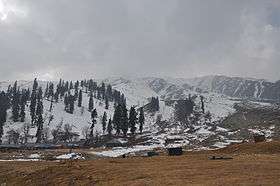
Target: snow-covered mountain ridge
{"type": "Point", "coordinates": [255, 89]}
{"type": "Point", "coordinates": [220, 94]}
{"type": "Point", "coordinates": [236, 87]}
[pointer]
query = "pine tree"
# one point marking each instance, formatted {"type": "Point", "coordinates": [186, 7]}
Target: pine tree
{"type": "Point", "coordinates": [15, 104]}
{"type": "Point", "coordinates": [35, 84]}
{"type": "Point", "coordinates": [39, 133]}
{"type": "Point", "coordinates": [51, 90]}
{"type": "Point", "coordinates": [106, 103]}
{"type": "Point", "coordinates": [157, 104]}
{"type": "Point", "coordinates": [65, 87]}
{"type": "Point", "coordinates": [27, 95]}
{"type": "Point", "coordinates": [124, 120]}
{"type": "Point", "coordinates": [103, 90]}
{"type": "Point", "coordinates": [66, 102]}
{"type": "Point", "coordinates": [93, 122]}
{"type": "Point", "coordinates": [202, 104]}
{"type": "Point", "coordinates": [98, 94]}
{"type": "Point", "coordinates": [71, 85]}
{"type": "Point", "coordinates": [80, 99]}
{"type": "Point", "coordinates": [154, 104]}
{"type": "Point", "coordinates": [76, 89]}
{"type": "Point", "coordinates": [39, 116]}
{"type": "Point", "coordinates": [59, 87]}
{"type": "Point", "coordinates": [104, 122]}
{"type": "Point", "coordinates": [183, 109]}
{"type": "Point", "coordinates": [33, 101]}
{"type": "Point", "coordinates": [56, 95]}
{"type": "Point", "coordinates": [47, 90]}
{"type": "Point", "coordinates": [4, 104]}
{"type": "Point", "coordinates": [90, 104]}
{"type": "Point", "coordinates": [132, 120]}
{"type": "Point", "coordinates": [117, 119]}
{"type": "Point", "coordinates": [71, 100]}
{"type": "Point", "coordinates": [141, 120]}
{"type": "Point", "coordinates": [109, 92]}
{"type": "Point", "coordinates": [22, 109]}
{"type": "Point", "coordinates": [39, 109]}
{"type": "Point", "coordinates": [109, 127]}
{"type": "Point", "coordinates": [51, 105]}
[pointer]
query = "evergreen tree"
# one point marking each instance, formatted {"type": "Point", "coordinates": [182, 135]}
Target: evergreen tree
{"type": "Point", "coordinates": [51, 90]}
{"type": "Point", "coordinates": [80, 98]}
{"type": "Point", "coordinates": [56, 95]}
{"type": "Point", "coordinates": [39, 133]}
{"type": "Point", "coordinates": [109, 92]}
{"type": "Point", "coordinates": [157, 104]}
{"type": "Point", "coordinates": [71, 85]}
{"type": "Point", "coordinates": [104, 122]}
{"type": "Point", "coordinates": [154, 104]}
{"type": "Point", "coordinates": [183, 109]}
{"type": "Point", "coordinates": [109, 127]}
{"type": "Point", "coordinates": [39, 109]}
{"type": "Point", "coordinates": [106, 103]}
{"type": "Point", "coordinates": [66, 86]}
{"type": "Point", "coordinates": [202, 104]}
{"type": "Point", "coordinates": [22, 109]}
{"type": "Point", "coordinates": [117, 119]}
{"type": "Point", "coordinates": [33, 101]}
{"type": "Point", "coordinates": [51, 105]}
{"type": "Point", "coordinates": [124, 119]}
{"type": "Point", "coordinates": [27, 95]}
{"type": "Point", "coordinates": [59, 87]}
{"type": "Point", "coordinates": [132, 120]}
{"type": "Point", "coordinates": [141, 120]}
{"type": "Point", "coordinates": [71, 100]}
{"type": "Point", "coordinates": [47, 90]}
{"type": "Point", "coordinates": [24, 96]}
{"type": "Point", "coordinates": [90, 104]}
{"type": "Point", "coordinates": [4, 104]}
{"type": "Point", "coordinates": [98, 94]}
{"type": "Point", "coordinates": [35, 84]}
{"type": "Point", "coordinates": [76, 89]}
{"type": "Point", "coordinates": [39, 116]}
{"type": "Point", "coordinates": [189, 106]}
{"type": "Point", "coordinates": [16, 105]}
{"type": "Point", "coordinates": [66, 102]}
{"type": "Point", "coordinates": [103, 90]}
{"type": "Point", "coordinates": [93, 122]}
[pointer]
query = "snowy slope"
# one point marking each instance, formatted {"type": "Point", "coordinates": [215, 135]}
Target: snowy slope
{"type": "Point", "coordinates": [138, 91]}
{"type": "Point", "coordinates": [80, 119]}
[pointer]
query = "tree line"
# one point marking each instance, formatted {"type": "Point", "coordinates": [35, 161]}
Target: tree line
{"type": "Point", "coordinates": [18, 99]}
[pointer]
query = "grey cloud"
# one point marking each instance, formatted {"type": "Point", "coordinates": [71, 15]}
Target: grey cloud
{"type": "Point", "coordinates": [99, 38]}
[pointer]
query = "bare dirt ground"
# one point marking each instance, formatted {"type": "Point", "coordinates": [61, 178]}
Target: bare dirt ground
{"type": "Point", "coordinates": [252, 164]}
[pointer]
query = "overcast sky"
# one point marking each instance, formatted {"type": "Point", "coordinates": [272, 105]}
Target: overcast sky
{"type": "Point", "coordinates": [100, 38]}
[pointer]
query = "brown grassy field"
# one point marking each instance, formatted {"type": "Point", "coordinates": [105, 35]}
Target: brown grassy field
{"type": "Point", "coordinates": [252, 164]}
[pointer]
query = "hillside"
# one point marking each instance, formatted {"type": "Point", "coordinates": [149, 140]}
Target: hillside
{"type": "Point", "coordinates": [138, 91]}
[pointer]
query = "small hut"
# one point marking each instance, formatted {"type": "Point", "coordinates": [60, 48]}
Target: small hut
{"type": "Point", "coordinates": [259, 138]}
{"type": "Point", "coordinates": [175, 151]}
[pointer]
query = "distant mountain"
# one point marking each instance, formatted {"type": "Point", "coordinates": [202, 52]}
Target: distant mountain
{"type": "Point", "coordinates": [257, 89]}
{"type": "Point", "coordinates": [235, 87]}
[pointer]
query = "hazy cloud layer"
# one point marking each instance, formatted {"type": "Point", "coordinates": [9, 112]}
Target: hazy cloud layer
{"type": "Point", "coordinates": [100, 38]}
